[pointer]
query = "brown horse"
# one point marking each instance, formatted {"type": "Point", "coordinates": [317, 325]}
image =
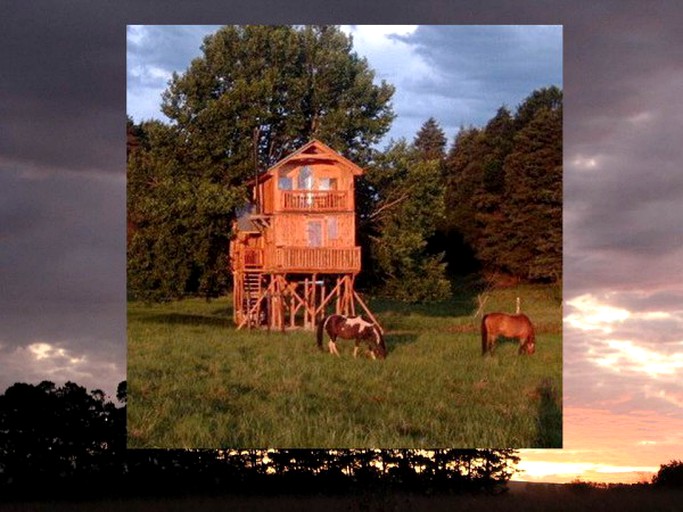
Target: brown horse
{"type": "Point", "coordinates": [351, 328]}
{"type": "Point", "coordinates": [509, 326]}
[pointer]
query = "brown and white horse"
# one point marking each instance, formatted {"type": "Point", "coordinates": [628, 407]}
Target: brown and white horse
{"type": "Point", "coordinates": [518, 326]}
{"type": "Point", "coordinates": [351, 328]}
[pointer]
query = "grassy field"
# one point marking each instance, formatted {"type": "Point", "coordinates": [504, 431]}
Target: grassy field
{"type": "Point", "coordinates": [196, 382]}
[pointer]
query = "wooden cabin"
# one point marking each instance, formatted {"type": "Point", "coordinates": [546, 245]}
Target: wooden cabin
{"type": "Point", "coordinates": [293, 255]}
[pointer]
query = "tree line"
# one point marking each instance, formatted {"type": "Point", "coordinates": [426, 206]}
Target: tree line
{"type": "Point", "coordinates": [65, 442]}
{"type": "Point", "coordinates": [491, 202]}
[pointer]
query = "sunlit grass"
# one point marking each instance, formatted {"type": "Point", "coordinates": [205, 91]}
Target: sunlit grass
{"type": "Point", "coordinates": [195, 381]}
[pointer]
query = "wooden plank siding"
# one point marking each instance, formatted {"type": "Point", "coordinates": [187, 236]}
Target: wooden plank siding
{"type": "Point", "coordinates": [292, 230]}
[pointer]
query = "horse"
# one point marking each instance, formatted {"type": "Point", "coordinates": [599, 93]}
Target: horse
{"type": "Point", "coordinates": [351, 328]}
{"type": "Point", "coordinates": [510, 326]}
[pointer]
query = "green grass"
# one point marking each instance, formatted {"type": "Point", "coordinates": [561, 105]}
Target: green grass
{"type": "Point", "coordinates": [194, 381]}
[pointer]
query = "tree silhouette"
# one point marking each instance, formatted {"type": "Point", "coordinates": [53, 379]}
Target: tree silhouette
{"type": "Point", "coordinates": [63, 442]}
{"type": "Point", "coordinates": [669, 475]}
{"type": "Point", "coordinates": [51, 435]}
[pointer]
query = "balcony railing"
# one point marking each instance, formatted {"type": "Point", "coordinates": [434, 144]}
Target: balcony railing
{"type": "Point", "coordinates": [300, 259]}
{"type": "Point", "coordinates": [316, 200]}
{"type": "Point", "coordinates": [317, 259]}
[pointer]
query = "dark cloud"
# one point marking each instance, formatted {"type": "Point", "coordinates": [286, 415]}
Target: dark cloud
{"type": "Point", "coordinates": [63, 237]}
{"type": "Point", "coordinates": [485, 67]}
{"type": "Point", "coordinates": [62, 110]}
{"type": "Point", "coordinates": [60, 89]}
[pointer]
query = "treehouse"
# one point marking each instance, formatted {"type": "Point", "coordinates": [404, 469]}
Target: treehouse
{"type": "Point", "coordinates": [293, 252]}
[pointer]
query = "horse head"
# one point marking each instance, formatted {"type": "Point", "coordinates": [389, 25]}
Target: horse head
{"type": "Point", "coordinates": [379, 349]}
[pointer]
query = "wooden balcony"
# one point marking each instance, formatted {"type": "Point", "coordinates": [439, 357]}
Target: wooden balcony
{"type": "Point", "coordinates": [317, 259]}
{"type": "Point", "coordinates": [299, 259]}
{"type": "Point", "coordinates": [314, 200]}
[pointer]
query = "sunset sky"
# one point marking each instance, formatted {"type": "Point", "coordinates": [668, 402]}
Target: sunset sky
{"type": "Point", "coordinates": [62, 187]}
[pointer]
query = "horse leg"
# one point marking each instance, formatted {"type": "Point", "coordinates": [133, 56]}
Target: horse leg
{"type": "Point", "coordinates": [333, 347]}
{"type": "Point", "coordinates": [355, 349]}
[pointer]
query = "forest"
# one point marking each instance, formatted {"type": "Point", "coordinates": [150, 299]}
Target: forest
{"type": "Point", "coordinates": [488, 203]}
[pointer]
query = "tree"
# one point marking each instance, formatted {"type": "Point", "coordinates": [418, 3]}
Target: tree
{"type": "Point", "coordinates": [463, 177]}
{"type": "Point", "coordinates": [53, 437]}
{"type": "Point", "coordinates": [669, 475]}
{"type": "Point", "coordinates": [179, 223]}
{"type": "Point", "coordinates": [545, 98]}
{"type": "Point", "coordinates": [504, 189]}
{"type": "Point", "coordinates": [430, 141]}
{"type": "Point", "coordinates": [256, 94]}
{"type": "Point", "coordinates": [405, 198]}
{"type": "Point", "coordinates": [532, 210]}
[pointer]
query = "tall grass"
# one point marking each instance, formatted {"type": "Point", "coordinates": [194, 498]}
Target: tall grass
{"type": "Point", "coordinates": [194, 381]}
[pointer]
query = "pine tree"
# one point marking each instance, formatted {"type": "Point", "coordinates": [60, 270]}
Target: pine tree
{"type": "Point", "coordinates": [504, 189]}
{"type": "Point", "coordinates": [430, 141]}
{"type": "Point", "coordinates": [534, 199]}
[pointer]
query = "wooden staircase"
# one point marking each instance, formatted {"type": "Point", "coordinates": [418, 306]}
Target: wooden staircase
{"type": "Point", "coordinates": [252, 291]}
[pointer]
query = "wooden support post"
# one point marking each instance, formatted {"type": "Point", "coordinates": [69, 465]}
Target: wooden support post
{"type": "Point", "coordinates": [292, 299]}
{"type": "Point", "coordinates": [333, 293]}
{"type": "Point", "coordinates": [351, 294]}
{"type": "Point", "coordinates": [307, 294]}
{"type": "Point", "coordinates": [314, 287]}
{"type": "Point", "coordinates": [337, 305]}
{"type": "Point", "coordinates": [323, 301]}
{"type": "Point", "coordinates": [367, 311]}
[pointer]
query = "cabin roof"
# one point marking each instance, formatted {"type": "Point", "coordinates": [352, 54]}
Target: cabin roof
{"type": "Point", "coordinates": [311, 152]}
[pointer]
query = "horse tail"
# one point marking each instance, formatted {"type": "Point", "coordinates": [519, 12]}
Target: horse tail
{"type": "Point", "coordinates": [321, 328]}
{"type": "Point", "coordinates": [484, 336]}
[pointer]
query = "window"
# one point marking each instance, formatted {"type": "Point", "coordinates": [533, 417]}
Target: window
{"type": "Point", "coordinates": [284, 183]}
{"type": "Point", "coordinates": [332, 233]}
{"type": "Point", "coordinates": [305, 181]}
{"type": "Point", "coordinates": [315, 233]}
{"type": "Point", "coordinates": [328, 183]}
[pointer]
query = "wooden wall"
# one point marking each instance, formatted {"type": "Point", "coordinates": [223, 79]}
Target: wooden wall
{"type": "Point", "coordinates": [298, 229]}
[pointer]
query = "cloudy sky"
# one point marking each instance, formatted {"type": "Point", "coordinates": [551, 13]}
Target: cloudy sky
{"type": "Point", "coordinates": [460, 75]}
{"type": "Point", "coordinates": [62, 187]}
